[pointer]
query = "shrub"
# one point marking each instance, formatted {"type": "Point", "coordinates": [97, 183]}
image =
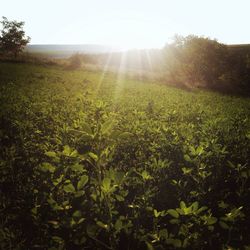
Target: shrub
{"type": "Point", "coordinates": [75, 61]}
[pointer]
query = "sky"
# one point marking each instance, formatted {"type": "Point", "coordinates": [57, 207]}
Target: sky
{"type": "Point", "coordinates": [129, 23]}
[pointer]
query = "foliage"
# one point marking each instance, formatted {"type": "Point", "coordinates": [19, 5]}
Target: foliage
{"type": "Point", "coordinates": [12, 39]}
{"type": "Point", "coordinates": [87, 165]}
{"type": "Point", "coordinates": [75, 61]}
{"type": "Point", "coordinates": [199, 61]}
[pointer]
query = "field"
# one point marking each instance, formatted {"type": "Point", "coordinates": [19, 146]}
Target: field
{"type": "Point", "coordinates": [93, 160]}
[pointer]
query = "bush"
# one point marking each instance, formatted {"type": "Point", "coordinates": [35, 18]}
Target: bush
{"type": "Point", "coordinates": [195, 61]}
{"type": "Point", "coordinates": [75, 61]}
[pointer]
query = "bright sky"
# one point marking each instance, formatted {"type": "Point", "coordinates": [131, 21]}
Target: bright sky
{"type": "Point", "coordinates": [129, 23]}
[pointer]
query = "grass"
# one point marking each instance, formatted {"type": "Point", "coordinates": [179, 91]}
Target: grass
{"type": "Point", "coordinates": [107, 162]}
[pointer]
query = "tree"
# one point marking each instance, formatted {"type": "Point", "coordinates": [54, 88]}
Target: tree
{"type": "Point", "coordinates": [12, 38]}
{"type": "Point", "coordinates": [196, 60]}
{"type": "Point", "coordinates": [75, 61]}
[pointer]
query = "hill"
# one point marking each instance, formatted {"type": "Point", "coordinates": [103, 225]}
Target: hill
{"type": "Point", "coordinates": [65, 50]}
{"type": "Point", "coordinates": [245, 47]}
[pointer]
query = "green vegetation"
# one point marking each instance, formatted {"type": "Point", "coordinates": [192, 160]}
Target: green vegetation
{"type": "Point", "coordinates": [97, 161]}
{"type": "Point", "coordinates": [208, 63]}
{"type": "Point", "coordinates": [12, 38]}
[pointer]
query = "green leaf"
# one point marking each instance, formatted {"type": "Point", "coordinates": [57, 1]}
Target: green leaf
{"type": "Point", "coordinates": [187, 158]}
{"type": "Point", "coordinates": [57, 239]}
{"type": "Point", "coordinates": [187, 170]}
{"type": "Point", "coordinates": [223, 225]}
{"type": "Point", "coordinates": [119, 197]}
{"type": "Point", "coordinates": [47, 167]}
{"type": "Point", "coordinates": [231, 164]}
{"type": "Point", "coordinates": [248, 135]}
{"type": "Point", "coordinates": [53, 222]}
{"type": "Point", "coordinates": [125, 135]}
{"type": "Point", "coordinates": [182, 205]}
{"type": "Point", "coordinates": [222, 204]}
{"type": "Point", "coordinates": [86, 128]}
{"type": "Point", "coordinates": [77, 168]}
{"type": "Point", "coordinates": [82, 182]}
{"type": "Point", "coordinates": [192, 150]}
{"type": "Point", "coordinates": [145, 175]}
{"type": "Point", "coordinates": [93, 156]}
{"type": "Point", "coordinates": [106, 184]}
{"type": "Point", "coordinates": [187, 210]}
{"type": "Point", "coordinates": [115, 134]}
{"type": "Point", "coordinates": [118, 225]}
{"type": "Point", "coordinates": [195, 206]}
{"type": "Point", "coordinates": [173, 213]}
{"type": "Point", "coordinates": [199, 150]}
{"type": "Point", "coordinates": [211, 220]}
{"type": "Point", "coordinates": [81, 220]}
{"type": "Point", "coordinates": [66, 150]}
{"type": "Point", "coordinates": [102, 225]}
{"type": "Point", "coordinates": [107, 126]}
{"type": "Point", "coordinates": [85, 137]}
{"type": "Point", "coordinates": [58, 180]}
{"type": "Point", "coordinates": [180, 211]}
{"type": "Point", "coordinates": [69, 188]}
{"type": "Point", "coordinates": [74, 153]}
{"type": "Point", "coordinates": [79, 193]}
{"type": "Point", "coordinates": [149, 246]}
{"type": "Point", "coordinates": [51, 154]}
{"type": "Point", "coordinates": [201, 209]}
{"type": "Point", "coordinates": [156, 213]}
{"type": "Point", "coordinates": [77, 214]}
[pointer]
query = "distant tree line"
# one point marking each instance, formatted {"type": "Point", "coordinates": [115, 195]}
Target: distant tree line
{"type": "Point", "coordinates": [199, 61]}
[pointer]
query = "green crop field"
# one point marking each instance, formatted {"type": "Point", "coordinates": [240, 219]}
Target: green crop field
{"type": "Point", "coordinates": [93, 160]}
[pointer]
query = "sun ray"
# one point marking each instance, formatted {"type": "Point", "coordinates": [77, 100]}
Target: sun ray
{"type": "Point", "coordinates": [138, 67]}
{"type": "Point", "coordinates": [149, 59]}
{"type": "Point", "coordinates": [120, 76]}
{"type": "Point", "coordinates": [104, 71]}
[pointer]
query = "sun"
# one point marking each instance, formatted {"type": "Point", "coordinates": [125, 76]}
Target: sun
{"type": "Point", "coordinates": [129, 34]}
